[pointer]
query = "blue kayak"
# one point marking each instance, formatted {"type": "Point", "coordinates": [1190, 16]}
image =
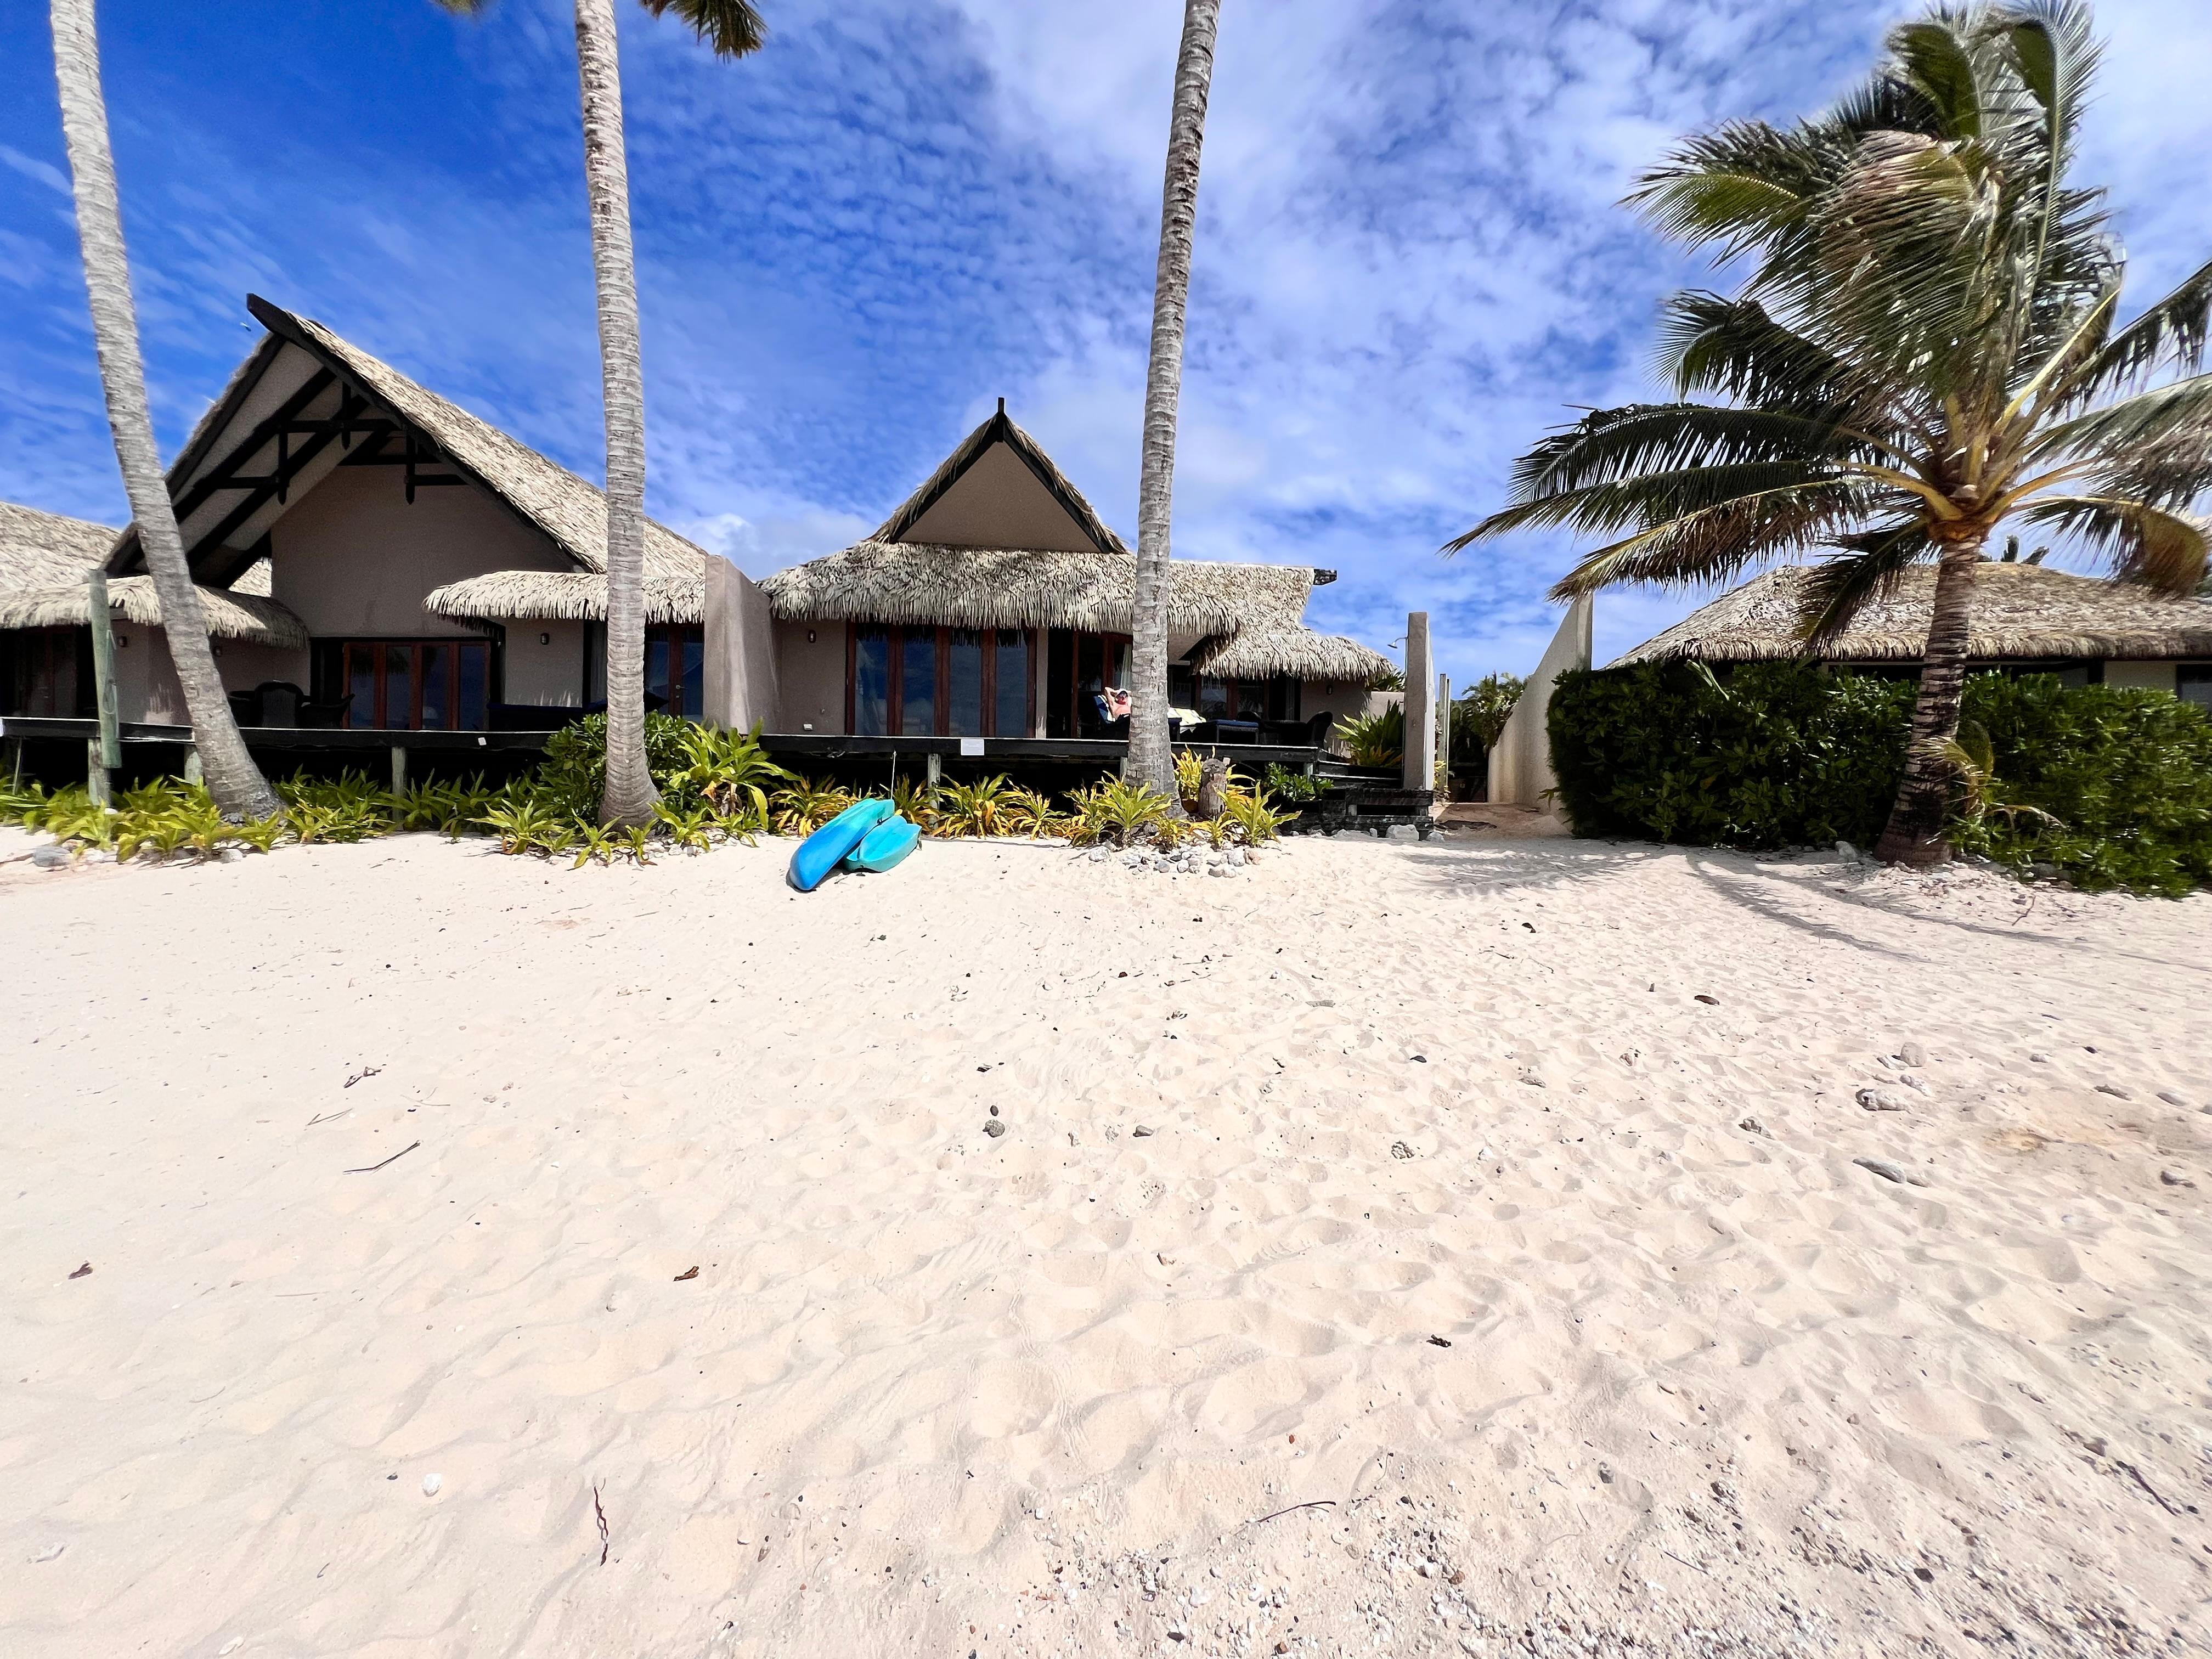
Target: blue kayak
{"type": "Point", "coordinates": [826, 849]}
{"type": "Point", "coordinates": [884, 845]}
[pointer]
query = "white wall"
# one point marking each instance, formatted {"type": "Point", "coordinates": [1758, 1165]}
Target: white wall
{"type": "Point", "coordinates": [544, 664]}
{"type": "Point", "coordinates": [1521, 764]}
{"type": "Point", "coordinates": [146, 689]}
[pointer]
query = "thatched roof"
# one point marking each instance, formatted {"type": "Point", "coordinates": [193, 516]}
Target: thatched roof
{"type": "Point", "coordinates": [2018, 611]}
{"type": "Point", "coordinates": [881, 581]}
{"type": "Point", "coordinates": [563, 596]}
{"type": "Point", "coordinates": [1259, 653]}
{"type": "Point", "coordinates": [45, 549]}
{"type": "Point", "coordinates": [999, 428]}
{"type": "Point", "coordinates": [231, 615]}
{"type": "Point", "coordinates": [568, 511]}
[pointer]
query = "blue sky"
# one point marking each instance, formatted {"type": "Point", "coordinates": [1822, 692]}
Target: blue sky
{"type": "Point", "coordinates": [1409, 257]}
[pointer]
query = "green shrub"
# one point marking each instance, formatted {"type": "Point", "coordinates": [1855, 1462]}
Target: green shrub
{"type": "Point", "coordinates": [2126, 775]}
{"type": "Point", "coordinates": [1374, 739]}
{"type": "Point", "coordinates": [1783, 755]}
{"type": "Point", "coordinates": [574, 770]}
{"type": "Point", "coordinates": [1789, 754]}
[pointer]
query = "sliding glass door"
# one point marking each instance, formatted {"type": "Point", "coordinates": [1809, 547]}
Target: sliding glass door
{"type": "Point", "coordinates": [921, 682]}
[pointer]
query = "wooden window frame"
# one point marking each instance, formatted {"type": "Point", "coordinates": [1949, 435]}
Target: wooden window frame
{"type": "Point", "coordinates": [381, 722]}
{"type": "Point", "coordinates": [894, 678]}
{"type": "Point", "coordinates": [676, 633]}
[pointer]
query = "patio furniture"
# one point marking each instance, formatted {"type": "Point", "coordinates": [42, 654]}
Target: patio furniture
{"type": "Point", "coordinates": [279, 702]}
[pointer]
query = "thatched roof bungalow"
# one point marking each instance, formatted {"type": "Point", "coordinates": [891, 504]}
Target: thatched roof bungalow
{"type": "Point", "coordinates": [994, 601]}
{"type": "Point", "coordinates": [2023, 617]}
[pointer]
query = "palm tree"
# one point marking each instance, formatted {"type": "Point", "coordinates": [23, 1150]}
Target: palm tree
{"type": "Point", "coordinates": [1150, 759]}
{"type": "Point", "coordinates": [1925, 349]}
{"type": "Point", "coordinates": [232, 779]}
{"type": "Point", "coordinates": [730, 28]}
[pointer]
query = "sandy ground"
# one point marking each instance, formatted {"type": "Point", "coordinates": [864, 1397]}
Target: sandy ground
{"type": "Point", "coordinates": [1588, 1114]}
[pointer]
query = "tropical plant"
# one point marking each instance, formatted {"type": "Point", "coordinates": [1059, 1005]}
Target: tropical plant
{"type": "Point", "coordinates": [1116, 810]}
{"type": "Point", "coordinates": [1377, 739]}
{"type": "Point", "coordinates": [526, 821]}
{"type": "Point", "coordinates": [234, 781]}
{"type": "Point", "coordinates": [1190, 775]}
{"type": "Point", "coordinates": [1150, 759]}
{"type": "Point", "coordinates": [1478, 717]}
{"type": "Point", "coordinates": [347, 808]}
{"type": "Point", "coordinates": [1927, 346]}
{"type": "Point", "coordinates": [730, 28]}
{"type": "Point", "coordinates": [983, 808]}
{"type": "Point", "coordinates": [690, 828]}
{"type": "Point", "coordinates": [1254, 816]}
{"type": "Point", "coordinates": [595, 840]}
{"type": "Point", "coordinates": [1279, 781]}
{"type": "Point", "coordinates": [1028, 812]}
{"type": "Point", "coordinates": [804, 805]}
{"type": "Point", "coordinates": [728, 771]}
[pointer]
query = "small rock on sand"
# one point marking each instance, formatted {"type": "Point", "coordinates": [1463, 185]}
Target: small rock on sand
{"type": "Point", "coordinates": [1911, 1054]}
{"type": "Point", "coordinates": [50, 857]}
{"type": "Point", "coordinates": [1754, 1125]}
{"type": "Point", "coordinates": [1140, 1131]}
{"type": "Point", "coordinates": [1400, 1149]}
{"type": "Point", "coordinates": [2171, 1098]}
{"type": "Point", "coordinates": [2175, 1178]}
{"type": "Point", "coordinates": [995, 1128]}
{"type": "Point", "coordinates": [1879, 1100]}
{"type": "Point", "coordinates": [2114, 1091]}
{"type": "Point", "coordinates": [431, 1483]}
{"type": "Point", "coordinates": [1889, 1172]}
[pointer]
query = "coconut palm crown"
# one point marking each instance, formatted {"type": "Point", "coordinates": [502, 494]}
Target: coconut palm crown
{"type": "Point", "coordinates": [1927, 346]}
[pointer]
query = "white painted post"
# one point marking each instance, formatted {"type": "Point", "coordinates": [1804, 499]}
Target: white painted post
{"type": "Point", "coordinates": [194, 772]}
{"type": "Point", "coordinates": [1420, 749]}
{"type": "Point", "coordinates": [936, 769]}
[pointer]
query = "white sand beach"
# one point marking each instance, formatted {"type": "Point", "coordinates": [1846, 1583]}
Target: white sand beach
{"type": "Point", "coordinates": [392, 1163]}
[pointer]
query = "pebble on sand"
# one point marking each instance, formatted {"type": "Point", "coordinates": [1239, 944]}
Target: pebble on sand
{"type": "Point", "coordinates": [1139, 1132]}
{"type": "Point", "coordinates": [431, 1483]}
{"type": "Point", "coordinates": [1889, 1172]}
{"type": "Point", "coordinates": [1879, 1100]}
{"type": "Point", "coordinates": [995, 1128]}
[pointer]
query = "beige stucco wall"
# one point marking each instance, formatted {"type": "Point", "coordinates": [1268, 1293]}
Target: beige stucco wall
{"type": "Point", "coordinates": [545, 663]}
{"type": "Point", "coordinates": [1520, 763]}
{"type": "Point", "coordinates": [146, 689]}
{"type": "Point", "coordinates": [353, 559]}
{"type": "Point", "coordinates": [739, 639]}
{"type": "Point", "coordinates": [1346, 702]}
{"type": "Point", "coordinates": [2140, 676]}
{"type": "Point", "coordinates": [810, 677]}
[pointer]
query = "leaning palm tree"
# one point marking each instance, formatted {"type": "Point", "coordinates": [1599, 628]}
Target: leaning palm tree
{"type": "Point", "coordinates": [730, 28]}
{"type": "Point", "coordinates": [1926, 348]}
{"type": "Point", "coordinates": [1150, 759]}
{"type": "Point", "coordinates": [232, 779]}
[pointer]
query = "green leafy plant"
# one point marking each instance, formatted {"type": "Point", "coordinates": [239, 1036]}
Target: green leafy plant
{"type": "Point", "coordinates": [727, 771]}
{"type": "Point", "coordinates": [348, 808]}
{"type": "Point", "coordinates": [1190, 773]}
{"type": "Point", "coordinates": [916, 799]}
{"type": "Point", "coordinates": [1116, 811]}
{"type": "Point", "coordinates": [804, 806]}
{"type": "Point", "coordinates": [1028, 812]}
{"type": "Point", "coordinates": [983, 808]}
{"type": "Point", "coordinates": [1377, 739]}
{"type": "Point", "coordinates": [1254, 816]}
{"type": "Point", "coordinates": [687, 826]}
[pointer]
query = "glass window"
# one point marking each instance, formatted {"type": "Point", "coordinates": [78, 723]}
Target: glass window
{"type": "Point", "coordinates": [398, 687]}
{"type": "Point", "coordinates": [872, 682]}
{"type": "Point", "coordinates": [918, 683]}
{"type": "Point", "coordinates": [694, 642]}
{"type": "Point", "coordinates": [437, 705]}
{"type": "Point", "coordinates": [361, 685]}
{"type": "Point", "coordinates": [964, 684]}
{"type": "Point", "coordinates": [2192, 683]}
{"type": "Point", "coordinates": [1119, 652]}
{"type": "Point", "coordinates": [656, 671]}
{"type": "Point", "coordinates": [1011, 701]}
{"type": "Point", "coordinates": [1213, 699]}
{"type": "Point", "coordinates": [474, 692]}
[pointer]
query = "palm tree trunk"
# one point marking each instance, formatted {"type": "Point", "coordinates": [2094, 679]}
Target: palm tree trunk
{"type": "Point", "coordinates": [1150, 759]}
{"type": "Point", "coordinates": [1915, 833]}
{"type": "Point", "coordinates": [232, 779]}
{"type": "Point", "coordinates": [629, 797]}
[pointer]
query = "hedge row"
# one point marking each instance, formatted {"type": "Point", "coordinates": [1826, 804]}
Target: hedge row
{"type": "Point", "coordinates": [1788, 753]}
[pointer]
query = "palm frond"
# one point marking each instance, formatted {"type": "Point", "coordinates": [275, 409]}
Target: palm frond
{"type": "Point", "coordinates": [1610, 444]}
{"type": "Point", "coordinates": [1938, 61]}
{"type": "Point", "coordinates": [1652, 499]}
{"type": "Point", "coordinates": [2170, 334]}
{"type": "Point", "coordinates": [730, 28]}
{"type": "Point", "coordinates": [2055, 52]}
{"type": "Point", "coordinates": [1833, 594]}
{"type": "Point", "coordinates": [2147, 544]}
{"type": "Point", "coordinates": [1717, 542]}
{"type": "Point", "coordinates": [2176, 416]}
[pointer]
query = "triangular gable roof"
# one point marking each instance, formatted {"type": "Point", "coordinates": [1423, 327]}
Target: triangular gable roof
{"type": "Point", "coordinates": [304, 389]}
{"type": "Point", "coordinates": [999, 428]}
